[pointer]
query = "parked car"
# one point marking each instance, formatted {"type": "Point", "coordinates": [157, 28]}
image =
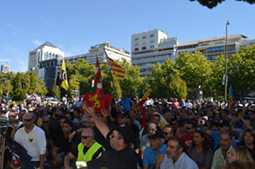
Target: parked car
{"type": "Point", "coordinates": [52, 100]}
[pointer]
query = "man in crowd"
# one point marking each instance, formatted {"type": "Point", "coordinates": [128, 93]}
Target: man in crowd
{"type": "Point", "coordinates": [126, 102]}
{"type": "Point", "coordinates": [32, 138]}
{"type": "Point", "coordinates": [220, 155]}
{"type": "Point", "coordinates": [156, 147]}
{"type": "Point", "coordinates": [168, 133]}
{"type": "Point", "coordinates": [176, 157]}
{"type": "Point", "coordinates": [122, 156]}
{"type": "Point", "coordinates": [79, 118]}
{"type": "Point", "coordinates": [145, 140]}
{"type": "Point", "coordinates": [191, 127]}
{"type": "Point", "coordinates": [7, 99]}
{"type": "Point", "coordinates": [224, 126]}
{"type": "Point", "coordinates": [87, 150]}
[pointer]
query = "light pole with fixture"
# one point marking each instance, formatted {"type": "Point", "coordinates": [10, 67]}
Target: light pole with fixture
{"type": "Point", "coordinates": [226, 77]}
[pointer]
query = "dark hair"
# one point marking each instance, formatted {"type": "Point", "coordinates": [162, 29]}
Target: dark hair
{"type": "Point", "coordinates": [180, 143]}
{"type": "Point", "coordinates": [77, 109]}
{"type": "Point", "coordinates": [166, 110]}
{"type": "Point", "coordinates": [193, 123]}
{"type": "Point", "coordinates": [156, 115]}
{"type": "Point", "coordinates": [214, 123]}
{"type": "Point", "coordinates": [205, 144]}
{"type": "Point", "coordinates": [227, 133]}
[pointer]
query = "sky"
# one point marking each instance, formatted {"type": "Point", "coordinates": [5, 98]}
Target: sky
{"type": "Point", "coordinates": [74, 26]}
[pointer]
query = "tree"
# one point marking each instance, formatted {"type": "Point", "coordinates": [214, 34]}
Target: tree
{"type": "Point", "coordinates": [25, 80]}
{"type": "Point", "coordinates": [73, 84]}
{"type": "Point", "coordinates": [213, 3]}
{"type": "Point", "coordinates": [242, 71]}
{"type": "Point", "coordinates": [32, 81]}
{"type": "Point", "coordinates": [56, 91]}
{"type": "Point", "coordinates": [17, 93]}
{"type": "Point", "coordinates": [132, 80]}
{"type": "Point", "coordinates": [161, 74]}
{"type": "Point", "coordinates": [178, 88]}
{"type": "Point", "coordinates": [196, 71]}
{"type": "Point", "coordinates": [41, 88]}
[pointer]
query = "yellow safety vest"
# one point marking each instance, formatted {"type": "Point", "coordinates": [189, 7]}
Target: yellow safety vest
{"type": "Point", "coordinates": [83, 158]}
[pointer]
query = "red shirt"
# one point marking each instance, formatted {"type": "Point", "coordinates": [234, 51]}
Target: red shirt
{"type": "Point", "coordinates": [187, 140]}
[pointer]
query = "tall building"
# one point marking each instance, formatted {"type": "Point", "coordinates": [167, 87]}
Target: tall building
{"type": "Point", "coordinates": [5, 68]}
{"type": "Point", "coordinates": [43, 60]}
{"type": "Point", "coordinates": [90, 57]}
{"type": "Point", "coordinates": [148, 48]}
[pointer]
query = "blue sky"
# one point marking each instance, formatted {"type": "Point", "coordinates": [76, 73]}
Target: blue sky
{"type": "Point", "coordinates": [74, 26]}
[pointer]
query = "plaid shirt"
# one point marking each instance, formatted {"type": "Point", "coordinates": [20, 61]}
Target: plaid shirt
{"type": "Point", "coordinates": [218, 159]}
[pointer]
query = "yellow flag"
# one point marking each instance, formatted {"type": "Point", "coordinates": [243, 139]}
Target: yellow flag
{"type": "Point", "coordinates": [62, 77]}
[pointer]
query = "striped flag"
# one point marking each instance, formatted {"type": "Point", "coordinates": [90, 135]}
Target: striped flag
{"type": "Point", "coordinates": [118, 71]}
{"type": "Point", "coordinates": [145, 96]}
{"type": "Point", "coordinates": [230, 97]}
{"type": "Point", "coordinates": [97, 82]}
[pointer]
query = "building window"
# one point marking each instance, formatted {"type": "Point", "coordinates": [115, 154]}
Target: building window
{"type": "Point", "coordinates": [144, 43]}
{"type": "Point", "coordinates": [144, 37]}
{"type": "Point", "coordinates": [152, 41]}
{"type": "Point", "coordinates": [136, 49]}
{"type": "Point", "coordinates": [152, 35]}
{"type": "Point", "coordinates": [143, 48]}
{"type": "Point", "coordinates": [152, 47]}
{"type": "Point", "coordinates": [136, 44]}
{"type": "Point", "coordinates": [136, 38]}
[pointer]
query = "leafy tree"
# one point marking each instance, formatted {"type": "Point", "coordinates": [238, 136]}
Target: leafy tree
{"type": "Point", "coordinates": [242, 71]}
{"type": "Point", "coordinates": [41, 88]}
{"type": "Point", "coordinates": [195, 70]}
{"type": "Point", "coordinates": [161, 74]}
{"type": "Point", "coordinates": [56, 91]}
{"type": "Point", "coordinates": [178, 88]}
{"type": "Point", "coordinates": [17, 93]}
{"type": "Point", "coordinates": [73, 84]}
{"type": "Point", "coordinates": [132, 80]}
{"type": "Point", "coordinates": [6, 87]}
{"type": "Point", "coordinates": [25, 80]}
{"type": "Point", "coordinates": [32, 81]}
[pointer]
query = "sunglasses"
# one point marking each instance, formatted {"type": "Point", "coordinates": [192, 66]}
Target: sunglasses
{"type": "Point", "coordinates": [45, 121]}
{"type": "Point", "coordinates": [85, 137]}
{"type": "Point", "coordinates": [120, 117]}
{"type": "Point", "coordinates": [27, 120]}
{"type": "Point", "coordinates": [188, 128]}
{"type": "Point", "coordinates": [165, 133]}
{"type": "Point", "coordinates": [174, 123]}
{"type": "Point", "coordinates": [12, 116]}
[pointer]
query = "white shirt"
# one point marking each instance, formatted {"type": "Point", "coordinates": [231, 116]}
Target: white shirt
{"type": "Point", "coordinates": [34, 142]}
{"type": "Point", "coordinates": [184, 162]}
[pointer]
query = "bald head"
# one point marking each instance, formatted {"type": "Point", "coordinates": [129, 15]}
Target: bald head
{"type": "Point", "coordinates": [152, 127]}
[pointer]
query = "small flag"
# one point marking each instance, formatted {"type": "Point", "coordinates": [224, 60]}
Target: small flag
{"type": "Point", "coordinates": [118, 71]}
{"type": "Point", "coordinates": [230, 97]}
{"type": "Point", "coordinates": [62, 77]}
{"type": "Point", "coordinates": [145, 96]}
{"type": "Point", "coordinates": [97, 101]}
{"type": "Point", "coordinates": [97, 83]}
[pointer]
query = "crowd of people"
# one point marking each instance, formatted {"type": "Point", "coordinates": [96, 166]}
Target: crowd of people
{"type": "Point", "coordinates": [163, 134]}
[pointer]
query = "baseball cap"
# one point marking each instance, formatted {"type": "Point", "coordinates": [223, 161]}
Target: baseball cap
{"type": "Point", "coordinates": [126, 132]}
{"type": "Point", "coordinates": [3, 110]}
{"type": "Point", "coordinates": [156, 134]}
{"type": "Point", "coordinates": [121, 113]}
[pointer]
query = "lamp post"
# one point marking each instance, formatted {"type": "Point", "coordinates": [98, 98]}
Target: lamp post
{"type": "Point", "coordinates": [226, 85]}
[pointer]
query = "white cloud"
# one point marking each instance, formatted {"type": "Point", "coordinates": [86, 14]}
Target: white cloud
{"type": "Point", "coordinates": [12, 26]}
{"type": "Point", "coordinates": [5, 60]}
{"type": "Point", "coordinates": [21, 62]}
{"type": "Point", "coordinates": [76, 49]}
{"type": "Point", "coordinates": [37, 42]}
{"type": "Point", "coordinates": [12, 48]}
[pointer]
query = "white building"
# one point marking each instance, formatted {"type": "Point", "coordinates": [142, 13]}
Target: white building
{"type": "Point", "coordinates": [5, 68]}
{"type": "Point", "coordinates": [148, 48]}
{"type": "Point", "coordinates": [90, 57]}
{"type": "Point", "coordinates": [45, 52]}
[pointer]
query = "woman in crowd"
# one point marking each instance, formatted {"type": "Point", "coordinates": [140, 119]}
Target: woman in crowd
{"type": "Point", "coordinates": [237, 165]}
{"type": "Point", "coordinates": [240, 153]}
{"type": "Point", "coordinates": [200, 151]}
{"type": "Point", "coordinates": [248, 140]}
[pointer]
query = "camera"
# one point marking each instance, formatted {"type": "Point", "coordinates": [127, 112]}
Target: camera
{"type": "Point", "coordinates": [202, 121]}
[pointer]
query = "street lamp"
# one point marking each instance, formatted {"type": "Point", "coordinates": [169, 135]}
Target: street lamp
{"type": "Point", "coordinates": [226, 77]}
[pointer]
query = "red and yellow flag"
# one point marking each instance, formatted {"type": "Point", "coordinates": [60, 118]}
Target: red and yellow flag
{"type": "Point", "coordinates": [145, 96]}
{"type": "Point", "coordinates": [97, 101]}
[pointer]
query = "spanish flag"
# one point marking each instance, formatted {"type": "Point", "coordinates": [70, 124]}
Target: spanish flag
{"type": "Point", "coordinates": [118, 71]}
{"type": "Point", "coordinates": [62, 77]}
{"type": "Point", "coordinates": [230, 97]}
{"type": "Point", "coordinates": [145, 96]}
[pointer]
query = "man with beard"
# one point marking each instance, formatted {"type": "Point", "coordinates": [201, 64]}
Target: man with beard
{"type": "Point", "coordinates": [175, 157]}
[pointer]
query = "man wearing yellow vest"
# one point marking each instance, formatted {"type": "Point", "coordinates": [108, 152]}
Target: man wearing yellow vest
{"type": "Point", "coordinates": [87, 150]}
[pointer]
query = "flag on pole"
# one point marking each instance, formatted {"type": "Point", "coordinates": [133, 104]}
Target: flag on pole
{"type": "Point", "coordinates": [118, 71]}
{"type": "Point", "coordinates": [62, 77]}
{"type": "Point", "coordinates": [97, 82]}
{"type": "Point", "coordinates": [98, 101]}
{"type": "Point", "coordinates": [230, 97]}
{"type": "Point", "coordinates": [145, 96]}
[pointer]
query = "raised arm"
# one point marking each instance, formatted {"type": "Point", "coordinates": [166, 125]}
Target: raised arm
{"type": "Point", "coordinates": [102, 127]}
